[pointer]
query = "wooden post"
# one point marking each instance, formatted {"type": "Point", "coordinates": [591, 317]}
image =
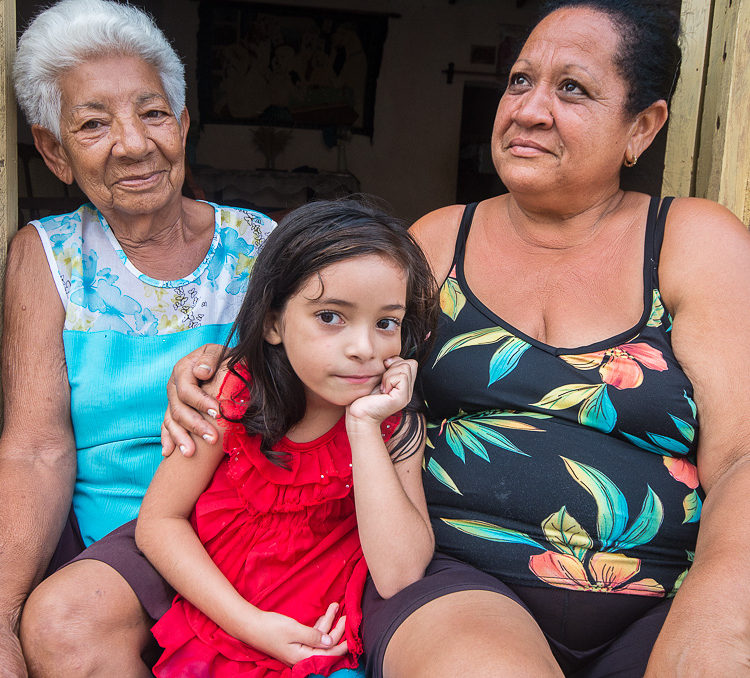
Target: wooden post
{"type": "Point", "coordinates": [723, 169]}
{"type": "Point", "coordinates": [8, 155]}
{"type": "Point", "coordinates": [685, 110]}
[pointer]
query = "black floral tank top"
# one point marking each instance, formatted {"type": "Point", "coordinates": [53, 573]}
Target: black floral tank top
{"type": "Point", "coordinates": [571, 468]}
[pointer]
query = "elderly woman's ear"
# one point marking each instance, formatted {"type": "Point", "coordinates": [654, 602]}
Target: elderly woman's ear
{"type": "Point", "coordinates": [645, 127]}
{"type": "Point", "coordinates": [53, 153]}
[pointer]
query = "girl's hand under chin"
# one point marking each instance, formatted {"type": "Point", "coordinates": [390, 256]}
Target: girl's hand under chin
{"type": "Point", "coordinates": [393, 394]}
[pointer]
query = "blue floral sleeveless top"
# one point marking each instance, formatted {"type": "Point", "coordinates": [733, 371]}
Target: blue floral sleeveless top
{"type": "Point", "coordinates": [571, 468]}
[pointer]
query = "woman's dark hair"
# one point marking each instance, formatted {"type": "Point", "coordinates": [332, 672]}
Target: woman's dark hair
{"type": "Point", "coordinates": [649, 55]}
{"type": "Point", "coordinates": [307, 240]}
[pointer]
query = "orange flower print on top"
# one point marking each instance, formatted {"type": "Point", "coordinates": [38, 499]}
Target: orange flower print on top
{"type": "Point", "coordinates": [620, 366]}
{"type": "Point", "coordinates": [606, 573]}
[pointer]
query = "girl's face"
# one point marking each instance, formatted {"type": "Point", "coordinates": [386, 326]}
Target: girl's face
{"type": "Point", "coordinates": [340, 327]}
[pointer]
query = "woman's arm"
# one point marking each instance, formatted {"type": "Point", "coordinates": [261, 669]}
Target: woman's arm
{"type": "Point", "coordinates": [705, 276]}
{"type": "Point", "coordinates": [166, 537]}
{"type": "Point", "coordinates": [392, 518]}
{"type": "Point", "coordinates": [37, 449]}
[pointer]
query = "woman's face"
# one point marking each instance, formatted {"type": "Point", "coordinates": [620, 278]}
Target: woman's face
{"type": "Point", "coordinates": [120, 140]}
{"type": "Point", "coordinates": [561, 125]}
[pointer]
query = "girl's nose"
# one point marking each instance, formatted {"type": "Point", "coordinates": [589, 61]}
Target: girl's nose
{"type": "Point", "coordinates": [360, 344]}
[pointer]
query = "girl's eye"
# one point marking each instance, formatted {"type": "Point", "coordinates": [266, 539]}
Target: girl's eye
{"type": "Point", "coordinates": [388, 324]}
{"type": "Point", "coordinates": [329, 317]}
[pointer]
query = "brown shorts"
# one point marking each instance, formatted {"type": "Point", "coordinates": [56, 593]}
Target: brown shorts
{"type": "Point", "coordinates": [118, 550]}
{"type": "Point", "coordinates": [590, 634]}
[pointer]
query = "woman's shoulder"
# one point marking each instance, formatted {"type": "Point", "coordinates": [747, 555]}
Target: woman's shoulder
{"type": "Point", "coordinates": [703, 242]}
{"type": "Point", "coordinates": [436, 234]}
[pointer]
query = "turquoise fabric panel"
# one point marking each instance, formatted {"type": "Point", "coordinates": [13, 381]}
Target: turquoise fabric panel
{"type": "Point", "coordinates": [118, 398]}
{"type": "Point", "coordinates": [343, 673]}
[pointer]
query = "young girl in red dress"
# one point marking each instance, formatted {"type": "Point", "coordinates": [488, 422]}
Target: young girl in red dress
{"type": "Point", "coordinates": [267, 535]}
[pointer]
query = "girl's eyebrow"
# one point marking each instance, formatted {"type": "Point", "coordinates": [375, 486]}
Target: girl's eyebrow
{"type": "Point", "coordinates": [324, 301]}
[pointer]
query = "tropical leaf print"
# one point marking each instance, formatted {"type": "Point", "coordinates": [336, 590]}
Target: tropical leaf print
{"type": "Point", "coordinates": [646, 525]}
{"type": "Point", "coordinates": [687, 431]}
{"type": "Point", "coordinates": [468, 432]}
{"type": "Point", "coordinates": [668, 444]}
{"type": "Point", "coordinates": [612, 509]}
{"type": "Point", "coordinates": [442, 476]}
{"type": "Point", "coordinates": [644, 445]}
{"type": "Point", "coordinates": [490, 335]}
{"type": "Point", "coordinates": [692, 505]}
{"type": "Point", "coordinates": [657, 311]}
{"type": "Point", "coordinates": [566, 534]}
{"type": "Point", "coordinates": [596, 409]}
{"type": "Point", "coordinates": [452, 299]}
{"type": "Point", "coordinates": [691, 402]}
{"type": "Point", "coordinates": [490, 532]}
{"type": "Point", "coordinates": [505, 359]}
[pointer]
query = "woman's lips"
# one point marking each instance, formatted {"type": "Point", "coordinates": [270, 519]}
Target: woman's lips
{"type": "Point", "coordinates": [525, 148]}
{"type": "Point", "coordinates": [144, 180]}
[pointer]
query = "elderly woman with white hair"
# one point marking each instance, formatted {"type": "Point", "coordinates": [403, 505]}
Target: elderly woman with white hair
{"type": "Point", "coordinates": [100, 303]}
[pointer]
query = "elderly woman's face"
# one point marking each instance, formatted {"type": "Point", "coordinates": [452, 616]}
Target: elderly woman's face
{"type": "Point", "coordinates": [120, 140]}
{"type": "Point", "coordinates": [561, 124]}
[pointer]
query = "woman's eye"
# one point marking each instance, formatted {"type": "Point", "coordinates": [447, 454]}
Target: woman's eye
{"type": "Point", "coordinates": [329, 317]}
{"type": "Point", "coordinates": [572, 87]}
{"type": "Point", "coordinates": [388, 324]}
{"type": "Point", "coordinates": [156, 114]}
{"type": "Point", "coordinates": [91, 124]}
{"type": "Point", "coordinates": [518, 80]}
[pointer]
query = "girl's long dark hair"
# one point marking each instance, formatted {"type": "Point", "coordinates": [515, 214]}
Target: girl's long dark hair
{"type": "Point", "coordinates": [307, 240]}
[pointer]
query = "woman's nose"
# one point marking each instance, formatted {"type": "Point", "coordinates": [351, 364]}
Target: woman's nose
{"type": "Point", "coordinates": [132, 139]}
{"type": "Point", "coordinates": [534, 108]}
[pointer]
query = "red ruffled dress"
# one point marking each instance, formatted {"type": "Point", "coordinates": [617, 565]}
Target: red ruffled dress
{"type": "Point", "coordinates": [287, 540]}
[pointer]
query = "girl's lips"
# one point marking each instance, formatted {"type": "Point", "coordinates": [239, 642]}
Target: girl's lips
{"type": "Point", "coordinates": [358, 378]}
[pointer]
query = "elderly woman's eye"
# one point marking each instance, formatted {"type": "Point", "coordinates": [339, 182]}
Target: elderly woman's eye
{"type": "Point", "coordinates": [156, 114]}
{"type": "Point", "coordinates": [91, 124]}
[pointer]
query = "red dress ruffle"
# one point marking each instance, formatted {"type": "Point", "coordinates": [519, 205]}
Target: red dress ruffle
{"type": "Point", "coordinates": [287, 540]}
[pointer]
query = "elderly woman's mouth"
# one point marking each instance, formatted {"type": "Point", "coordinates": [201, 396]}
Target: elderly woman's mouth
{"type": "Point", "coordinates": [144, 180]}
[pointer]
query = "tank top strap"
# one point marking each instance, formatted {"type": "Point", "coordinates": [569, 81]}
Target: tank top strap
{"type": "Point", "coordinates": [657, 218]}
{"type": "Point", "coordinates": [463, 233]}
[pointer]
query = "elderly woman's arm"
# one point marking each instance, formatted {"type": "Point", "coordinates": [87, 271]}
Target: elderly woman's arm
{"type": "Point", "coordinates": [37, 450]}
{"type": "Point", "coordinates": [705, 276]}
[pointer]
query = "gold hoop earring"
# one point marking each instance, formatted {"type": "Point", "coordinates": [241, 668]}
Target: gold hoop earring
{"type": "Point", "coordinates": [631, 163]}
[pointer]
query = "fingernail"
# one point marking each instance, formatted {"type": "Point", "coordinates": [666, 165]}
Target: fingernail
{"type": "Point", "coordinates": [212, 412]}
{"type": "Point", "coordinates": [183, 449]}
{"type": "Point", "coordinates": [326, 639]}
{"type": "Point", "coordinates": [203, 366]}
{"type": "Point", "coordinates": [207, 437]}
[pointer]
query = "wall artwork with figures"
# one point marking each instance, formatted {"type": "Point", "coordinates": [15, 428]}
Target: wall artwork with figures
{"type": "Point", "coordinates": [262, 64]}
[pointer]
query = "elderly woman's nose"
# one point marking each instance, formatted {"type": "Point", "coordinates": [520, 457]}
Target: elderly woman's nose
{"type": "Point", "coordinates": [131, 138]}
{"type": "Point", "coordinates": [534, 108]}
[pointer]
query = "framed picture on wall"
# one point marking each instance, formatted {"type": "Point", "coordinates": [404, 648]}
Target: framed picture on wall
{"type": "Point", "coordinates": [263, 64]}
